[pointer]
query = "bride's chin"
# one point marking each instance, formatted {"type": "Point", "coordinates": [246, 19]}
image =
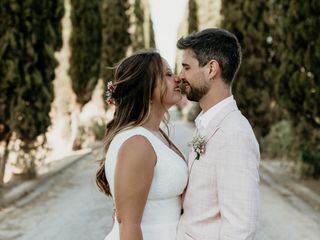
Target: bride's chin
{"type": "Point", "coordinates": [178, 100]}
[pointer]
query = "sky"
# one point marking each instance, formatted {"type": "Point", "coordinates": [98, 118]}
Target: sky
{"type": "Point", "coordinates": [167, 16]}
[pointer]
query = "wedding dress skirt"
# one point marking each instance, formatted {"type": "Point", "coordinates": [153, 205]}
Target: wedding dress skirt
{"type": "Point", "coordinates": [163, 207]}
{"type": "Point", "coordinates": [160, 220]}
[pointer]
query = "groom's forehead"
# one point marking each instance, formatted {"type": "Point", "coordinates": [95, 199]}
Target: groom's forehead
{"type": "Point", "coordinates": [188, 57]}
{"type": "Point", "coordinates": [188, 53]}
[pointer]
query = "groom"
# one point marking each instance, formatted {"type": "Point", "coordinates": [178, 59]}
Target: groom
{"type": "Point", "coordinates": [221, 200]}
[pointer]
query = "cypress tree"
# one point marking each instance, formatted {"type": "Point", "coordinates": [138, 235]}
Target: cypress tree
{"type": "Point", "coordinates": [152, 43]}
{"type": "Point", "coordinates": [31, 34]}
{"type": "Point", "coordinates": [85, 42]}
{"type": "Point", "coordinates": [298, 82]}
{"type": "Point", "coordinates": [254, 85]}
{"type": "Point", "coordinates": [9, 40]}
{"type": "Point", "coordinates": [138, 41]}
{"type": "Point", "coordinates": [193, 16]}
{"type": "Point", "coordinates": [9, 71]}
{"type": "Point", "coordinates": [41, 21]}
{"type": "Point", "coordinates": [143, 34]}
{"type": "Point", "coordinates": [193, 26]}
{"type": "Point", "coordinates": [115, 36]}
{"type": "Point", "coordinates": [85, 61]}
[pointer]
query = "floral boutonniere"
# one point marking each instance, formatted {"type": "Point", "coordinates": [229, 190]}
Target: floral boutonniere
{"type": "Point", "coordinates": [198, 145]}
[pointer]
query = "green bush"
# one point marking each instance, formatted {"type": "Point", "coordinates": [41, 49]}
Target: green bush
{"type": "Point", "coordinates": [90, 131]}
{"type": "Point", "coordinates": [279, 143]}
{"type": "Point", "coordinates": [310, 160]}
{"type": "Point", "coordinates": [308, 139]}
{"type": "Point", "coordinates": [284, 143]}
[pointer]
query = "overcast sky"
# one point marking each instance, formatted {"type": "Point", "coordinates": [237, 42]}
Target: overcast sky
{"type": "Point", "coordinates": [166, 17]}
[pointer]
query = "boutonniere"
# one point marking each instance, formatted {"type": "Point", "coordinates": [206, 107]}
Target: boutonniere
{"type": "Point", "coordinates": [198, 145]}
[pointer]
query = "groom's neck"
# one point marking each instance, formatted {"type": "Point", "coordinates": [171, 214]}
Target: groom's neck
{"type": "Point", "coordinates": [213, 97]}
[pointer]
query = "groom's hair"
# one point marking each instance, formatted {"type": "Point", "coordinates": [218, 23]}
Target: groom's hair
{"type": "Point", "coordinates": [215, 44]}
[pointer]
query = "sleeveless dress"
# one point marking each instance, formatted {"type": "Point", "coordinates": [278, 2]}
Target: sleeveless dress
{"type": "Point", "coordinates": [163, 207]}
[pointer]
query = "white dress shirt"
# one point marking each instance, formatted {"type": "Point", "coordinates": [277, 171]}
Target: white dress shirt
{"type": "Point", "coordinates": [204, 118]}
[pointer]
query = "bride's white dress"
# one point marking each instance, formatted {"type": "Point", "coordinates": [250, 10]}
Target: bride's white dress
{"type": "Point", "coordinates": [163, 207]}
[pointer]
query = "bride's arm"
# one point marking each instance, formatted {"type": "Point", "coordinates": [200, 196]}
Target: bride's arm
{"type": "Point", "coordinates": [133, 178]}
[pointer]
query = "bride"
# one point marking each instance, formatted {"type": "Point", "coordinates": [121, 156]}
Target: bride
{"type": "Point", "coordinates": [143, 170]}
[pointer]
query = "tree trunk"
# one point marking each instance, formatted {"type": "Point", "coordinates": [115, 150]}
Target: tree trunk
{"type": "Point", "coordinates": [75, 115]}
{"type": "Point", "coordinates": [3, 160]}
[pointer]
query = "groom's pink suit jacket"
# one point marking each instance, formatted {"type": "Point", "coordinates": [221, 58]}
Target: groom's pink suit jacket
{"type": "Point", "coordinates": [222, 196]}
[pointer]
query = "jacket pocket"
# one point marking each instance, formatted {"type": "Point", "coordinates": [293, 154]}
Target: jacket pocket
{"type": "Point", "coordinates": [189, 237]}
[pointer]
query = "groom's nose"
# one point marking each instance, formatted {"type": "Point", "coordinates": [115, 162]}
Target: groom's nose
{"type": "Point", "coordinates": [181, 76]}
{"type": "Point", "coordinates": [181, 79]}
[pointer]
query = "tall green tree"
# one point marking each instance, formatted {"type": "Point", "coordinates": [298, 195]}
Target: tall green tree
{"type": "Point", "coordinates": [85, 61]}
{"type": "Point", "coordinates": [152, 42]}
{"type": "Point", "coordinates": [115, 35]}
{"type": "Point", "coordinates": [30, 34]}
{"type": "Point", "coordinates": [193, 24]}
{"type": "Point", "coordinates": [298, 84]}
{"type": "Point", "coordinates": [138, 40]}
{"type": "Point", "coordinates": [253, 22]}
{"type": "Point", "coordinates": [9, 72]}
{"type": "Point", "coordinates": [85, 42]}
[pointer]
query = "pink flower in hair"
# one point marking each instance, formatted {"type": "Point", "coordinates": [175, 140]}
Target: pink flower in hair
{"type": "Point", "coordinates": [110, 90]}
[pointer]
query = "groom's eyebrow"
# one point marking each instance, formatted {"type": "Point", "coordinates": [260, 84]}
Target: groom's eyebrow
{"type": "Point", "coordinates": [185, 65]}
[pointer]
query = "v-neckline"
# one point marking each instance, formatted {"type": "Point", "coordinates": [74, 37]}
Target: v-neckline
{"type": "Point", "coordinates": [183, 158]}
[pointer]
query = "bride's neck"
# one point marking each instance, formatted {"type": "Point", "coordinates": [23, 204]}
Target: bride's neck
{"type": "Point", "coordinates": [154, 120]}
{"type": "Point", "coordinates": [153, 125]}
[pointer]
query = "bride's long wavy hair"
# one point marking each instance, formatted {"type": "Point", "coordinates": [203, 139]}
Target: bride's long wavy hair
{"type": "Point", "coordinates": [135, 79]}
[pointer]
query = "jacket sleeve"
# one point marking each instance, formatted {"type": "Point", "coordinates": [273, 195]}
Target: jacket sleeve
{"type": "Point", "coordinates": [238, 185]}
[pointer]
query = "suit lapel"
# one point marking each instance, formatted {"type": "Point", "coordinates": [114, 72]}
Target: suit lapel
{"type": "Point", "coordinates": [215, 123]}
{"type": "Point", "coordinates": [212, 128]}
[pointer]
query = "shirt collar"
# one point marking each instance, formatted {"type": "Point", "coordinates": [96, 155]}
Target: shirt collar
{"type": "Point", "coordinates": [203, 119]}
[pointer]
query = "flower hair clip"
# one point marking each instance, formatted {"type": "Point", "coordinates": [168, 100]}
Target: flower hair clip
{"type": "Point", "coordinates": [110, 90]}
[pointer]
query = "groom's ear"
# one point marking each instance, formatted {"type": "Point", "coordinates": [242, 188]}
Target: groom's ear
{"type": "Point", "coordinates": [214, 68]}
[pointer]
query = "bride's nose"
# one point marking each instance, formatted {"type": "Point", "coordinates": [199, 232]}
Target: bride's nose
{"type": "Point", "coordinates": [177, 79]}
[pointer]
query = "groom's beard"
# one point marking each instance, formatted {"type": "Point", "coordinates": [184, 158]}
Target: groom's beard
{"type": "Point", "coordinates": [195, 94]}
